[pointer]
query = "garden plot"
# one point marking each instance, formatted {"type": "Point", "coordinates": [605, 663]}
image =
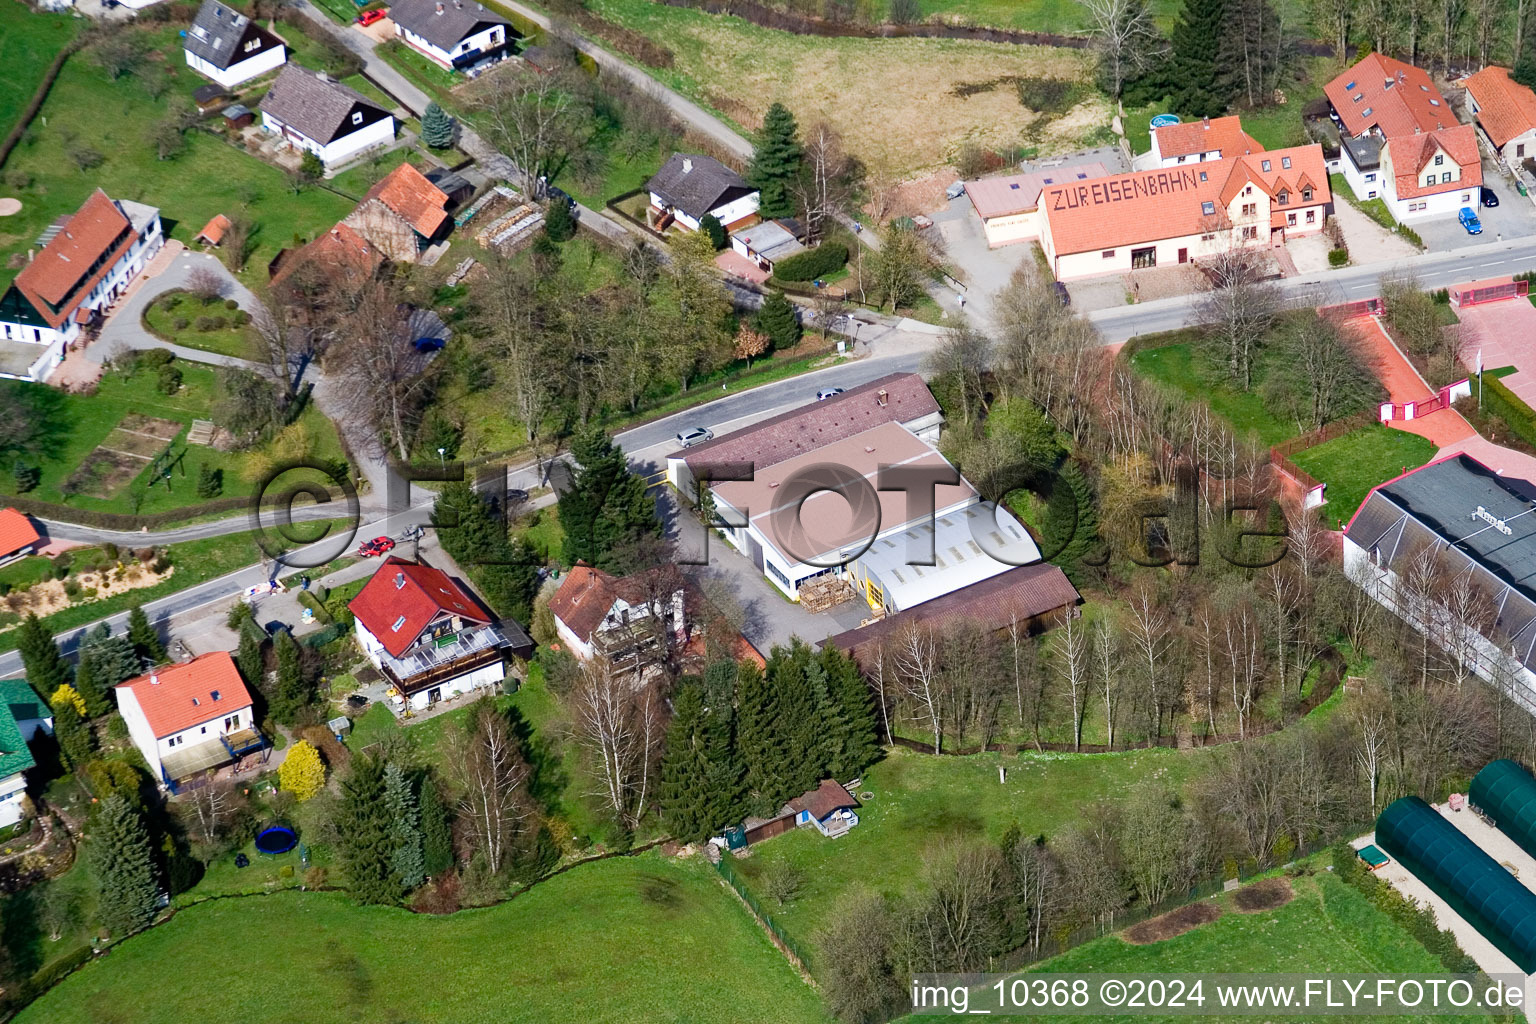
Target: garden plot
{"type": "Point", "coordinates": [122, 455]}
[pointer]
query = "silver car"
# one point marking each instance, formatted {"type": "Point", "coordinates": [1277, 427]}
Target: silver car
{"type": "Point", "coordinates": [826, 393]}
{"type": "Point", "coordinates": [696, 435]}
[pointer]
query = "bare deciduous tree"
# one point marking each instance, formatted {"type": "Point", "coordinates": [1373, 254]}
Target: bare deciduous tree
{"type": "Point", "coordinates": [829, 177]}
{"type": "Point", "coordinates": [538, 120]}
{"type": "Point", "coordinates": [1238, 313]}
{"type": "Point", "coordinates": [915, 657]}
{"type": "Point", "coordinates": [488, 765]}
{"type": "Point", "coordinates": [387, 378]}
{"type": "Point", "coordinates": [619, 720]}
{"type": "Point", "coordinates": [1126, 39]}
{"type": "Point", "coordinates": [1069, 644]}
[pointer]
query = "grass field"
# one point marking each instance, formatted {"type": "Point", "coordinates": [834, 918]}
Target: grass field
{"type": "Point", "coordinates": [87, 110]}
{"type": "Point", "coordinates": [161, 316]}
{"type": "Point", "coordinates": [632, 939]}
{"type": "Point", "coordinates": [1328, 927]}
{"type": "Point", "coordinates": [29, 43]}
{"type": "Point", "coordinates": [920, 799]}
{"type": "Point", "coordinates": [892, 99]}
{"type": "Point", "coordinates": [1179, 366]}
{"type": "Point", "coordinates": [87, 420]}
{"type": "Point", "coordinates": [1351, 465]}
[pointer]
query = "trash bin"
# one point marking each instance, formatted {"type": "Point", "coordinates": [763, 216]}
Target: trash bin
{"type": "Point", "coordinates": [1520, 186]}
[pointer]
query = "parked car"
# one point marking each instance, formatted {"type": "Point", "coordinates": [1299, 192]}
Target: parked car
{"type": "Point", "coordinates": [1490, 197]}
{"type": "Point", "coordinates": [956, 190]}
{"type": "Point", "coordinates": [1061, 293]}
{"type": "Point", "coordinates": [516, 496]}
{"type": "Point", "coordinates": [1469, 221]}
{"type": "Point", "coordinates": [695, 435]}
{"type": "Point", "coordinates": [826, 393]}
{"type": "Point", "coordinates": [377, 546]}
{"type": "Point", "coordinates": [369, 17]}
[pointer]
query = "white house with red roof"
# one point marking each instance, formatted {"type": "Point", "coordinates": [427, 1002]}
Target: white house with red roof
{"type": "Point", "coordinates": [1506, 111]}
{"type": "Point", "coordinates": [1431, 175]}
{"type": "Point", "coordinates": [1182, 214]}
{"type": "Point", "coordinates": [429, 636]}
{"type": "Point", "coordinates": [626, 619]}
{"type": "Point", "coordinates": [18, 537]}
{"type": "Point", "coordinates": [1193, 142]}
{"type": "Point", "coordinates": [190, 717]}
{"type": "Point", "coordinates": [84, 265]}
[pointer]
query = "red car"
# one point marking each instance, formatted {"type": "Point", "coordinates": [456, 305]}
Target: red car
{"type": "Point", "coordinates": [369, 17]}
{"type": "Point", "coordinates": [377, 546]}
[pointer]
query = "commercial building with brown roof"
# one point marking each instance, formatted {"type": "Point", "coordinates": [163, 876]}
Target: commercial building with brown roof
{"type": "Point", "coordinates": [1210, 138]}
{"type": "Point", "coordinates": [85, 263]}
{"type": "Point", "coordinates": [1009, 204]}
{"type": "Point", "coordinates": [1506, 111]}
{"type": "Point", "coordinates": [402, 214]}
{"type": "Point", "coordinates": [1385, 96]}
{"type": "Point", "coordinates": [1182, 214]}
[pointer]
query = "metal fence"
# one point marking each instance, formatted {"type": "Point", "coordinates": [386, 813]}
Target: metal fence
{"type": "Point", "coordinates": [780, 936]}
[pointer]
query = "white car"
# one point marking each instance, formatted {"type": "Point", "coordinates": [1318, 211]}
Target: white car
{"type": "Point", "coordinates": [697, 435]}
{"type": "Point", "coordinates": [826, 393]}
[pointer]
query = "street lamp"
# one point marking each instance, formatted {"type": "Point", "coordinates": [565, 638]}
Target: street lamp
{"type": "Point", "coordinates": [441, 458]}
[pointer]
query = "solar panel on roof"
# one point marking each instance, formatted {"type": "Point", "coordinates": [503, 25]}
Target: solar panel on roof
{"type": "Point", "coordinates": [1014, 186]}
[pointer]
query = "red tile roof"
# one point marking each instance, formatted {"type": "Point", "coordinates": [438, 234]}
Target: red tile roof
{"type": "Point", "coordinates": [1395, 97]}
{"type": "Point", "coordinates": [1016, 193]}
{"type": "Point", "coordinates": [407, 192]}
{"type": "Point", "coordinates": [213, 231]}
{"type": "Point", "coordinates": [1505, 108]}
{"type": "Point", "coordinates": [177, 697]}
{"type": "Point", "coordinates": [1148, 206]}
{"type": "Point", "coordinates": [61, 275]}
{"type": "Point", "coordinates": [411, 594]}
{"type": "Point", "coordinates": [1411, 154]}
{"type": "Point", "coordinates": [584, 597]}
{"type": "Point", "coordinates": [818, 424]}
{"type": "Point", "coordinates": [1212, 133]}
{"type": "Point", "coordinates": [16, 532]}
{"type": "Point", "coordinates": [339, 247]}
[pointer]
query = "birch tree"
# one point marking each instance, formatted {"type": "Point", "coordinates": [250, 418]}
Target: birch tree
{"type": "Point", "coordinates": [488, 765]}
{"type": "Point", "coordinates": [1106, 657]}
{"type": "Point", "coordinates": [619, 721]}
{"type": "Point", "coordinates": [1070, 646]}
{"type": "Point", "coordinates": [1149, 634]}
{"type": "Point", "coordinates": [916, 658]}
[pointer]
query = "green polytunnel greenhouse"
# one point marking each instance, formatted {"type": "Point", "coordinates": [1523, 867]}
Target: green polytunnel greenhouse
{"type": "Point", "coordinates": [1506, 794]}
{"type": "Point", "coordinates": [1459, 872]}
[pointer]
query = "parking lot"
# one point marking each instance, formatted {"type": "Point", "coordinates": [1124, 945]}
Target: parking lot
{"type": "Point", "coordinates": [1514, 217]}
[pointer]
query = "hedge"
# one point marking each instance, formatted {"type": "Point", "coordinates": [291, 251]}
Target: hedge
{"type": "Point", "coordinates": [827, 258]}
{"type": "Point", "coordinates": [123, 521]}
{"type": "Point", "coordinates": [1503, 403]}
{"type": "Point", "coordinates": [321, 637]}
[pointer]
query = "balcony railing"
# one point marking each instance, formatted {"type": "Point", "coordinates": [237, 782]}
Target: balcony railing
{"type": "Point", "coordinates": [444, 651]}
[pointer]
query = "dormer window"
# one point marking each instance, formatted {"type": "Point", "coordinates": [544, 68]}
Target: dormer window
{"type": "Point", "coordinates": [1306, 195]}
{"type": "Point", "coordinates": [1284, 197]}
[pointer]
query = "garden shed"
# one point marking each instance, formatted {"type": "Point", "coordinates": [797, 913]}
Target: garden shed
{"type": "Point", "coordinates": [1486, 895]}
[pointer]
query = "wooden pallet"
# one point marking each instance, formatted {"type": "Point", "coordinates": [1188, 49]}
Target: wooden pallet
{"type": "Point", "coordinates": [825, 592]}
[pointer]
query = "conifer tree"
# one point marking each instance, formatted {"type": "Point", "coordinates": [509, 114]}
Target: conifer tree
{"type": "Point", "coordinates": [727, 774]}
{"type": "Point", "coordinates": [763, 749]}
{"type": "Point", "coordinates": [144, 638]}
{"type": "Point", "coordinates": [124, 867]}
{"type": "Point", "coordinates": [710, 225]}
{"type": "Point", "coordinates": [76, 741]}
{"type": "Point", "coordinates": [795, 719]}
{"type": "Point", "coordinates": [248, 657]}
{"type": "Point", "coordinates": [860, 747]}
{"type": "Point", "coordinates": [777, 319]}
{"type": "Point", "coordinates": [559, 225]}
{"type": "Point", "coordinates": [606, 508]}
{"type": "Point", "coordinates": [1524, 70]}
{"type": "Point", "coordinates": [1197, 81]}
{"type": "Point", "coordinates": [400, 799]}
{"type": "Point", "coordinates": [437, 127]}
{"type": "Point", "coordinates": [686, 801]}
{"type": "Point", "coordinates": [88, 687]}
{"type": "Point", "coordinates": [776, 163]}
{"type": "Point", "coordinates": [367, 834]}
{"type": "Point", "coordinates": [45, 666]}
{"type": "Point", "coordinates": [436, 831]}
{"type": "Point", "coordinates": [293, 692]}
{"type": "Point", "coordinates": [832, 727]}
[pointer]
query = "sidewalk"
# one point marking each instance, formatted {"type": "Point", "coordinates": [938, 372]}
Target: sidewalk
{"type": "Point", "coordinates": [1444, 426]}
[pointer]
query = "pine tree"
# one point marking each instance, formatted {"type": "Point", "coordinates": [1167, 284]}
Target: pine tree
{"type": "Point", "coordinates": [710, 225]}
{"type": "Point", "coordinates": [861, 747]}
{"type": "Point", "coordinates": [400, 799]}
{"type": "Point", "coordinates": [77, 743]}
{"type": "Point", "coordinates": [727, 774]}
{"type": "Point", "coordinates": [606, 507]}
{"type": "Point", "coordinates": [777, 319]}
{"type": "Point", "coordinates": [795, 719]}
{"type": "Point", "coordinates": [559, 225]}
{"type": "Point", "coordinates": [1195, 74]}
{"type": "Point", "coordinates": [686, 804]}
{"type": "Point", "coordinates": [89, 687]}
{"type": "Point", "coordinates": [763, 749]}
{"type": "Point", "coordinates": [436, 831]}
{"type": "Point", "coordinates": [45, 666]}
{"type": "Point", "coordinates": [210, 481]}
{"type": "Point", "coordinates": [437, 127]}
{"type": "Point", "coordinates": [104, 661]}
{"type": "Point", "coordinates": [293, 692]}
{"type": "Point", "coordinates": [776, 163]}
{"type": "Point", "coordinates": [248, 657]}
{"type": "Point", "coordinates": [124, 867]}
{"type": "Point", "coordinates": [144, 637]}
{"type": "Point", "coordinates": [832, 727]}
{"type": "Point", "coordinates": [367, 834]}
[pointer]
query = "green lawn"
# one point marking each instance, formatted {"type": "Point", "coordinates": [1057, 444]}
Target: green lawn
{"type": "Point", "coordinates": [919, 799]}
{"type": "Point", "coordinates": [631, 939]}
{"type": "Point", "coordinates": [87, 110]}
{"type": "Point", "coordinates": [161, 317]}
{"type": "Point", "coordinates": [1328, 927]}
{"type": "Point", "coordinates": [1375, 209]}
{"type": "Point", "coordinates": [1351, 465]}
{"type": "Point", "coordinates": [1180, 367]}
{"type": "Point", "coordinates": [26, 571]}
{"type": "Point", "coordinates": [88, 419]}
{"type": "Point", "coordinates": [29, 43]}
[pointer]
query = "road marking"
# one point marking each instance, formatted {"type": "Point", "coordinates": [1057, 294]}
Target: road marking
{"type": "Point", "coordinates": [1495, 263]}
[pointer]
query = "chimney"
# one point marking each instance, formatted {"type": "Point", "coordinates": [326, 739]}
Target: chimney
{"type": "Point", "coordinates": [154, 679]}
{"type": "Point", "coordinates": [439, 7]}
{"type": "Point", "coordinates": [687, 165]}
{"type": "Point", "coordinates": [336, 232]}
{"type": "Point", "coordinates": [1206, 122]}
{"type": "Point", "coordinates": [882, 397]}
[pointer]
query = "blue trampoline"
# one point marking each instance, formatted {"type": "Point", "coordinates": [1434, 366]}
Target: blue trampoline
{"type": "Point", "coordinates": [275, 839]}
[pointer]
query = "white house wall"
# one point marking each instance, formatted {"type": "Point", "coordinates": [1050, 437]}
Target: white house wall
{"type": "Point", "coordinates": [380, 133]}
{"type": "Point", "coordinates": [12, 789]}
{"type": "Point", "coordinates": [138, 729]}
{"type": "Point", "coordinates": [1012, 228]}
{"type": "Point", "coordinates": [1441, 204]}
{"type": "Point", "coordinates": [486, 675]}
{"type": "Point", "coordinates": [240, 71]}
{"type": "Point", "coordinates": [210, 729]}
{"type": "Point", "coordinates": [1364, 184]}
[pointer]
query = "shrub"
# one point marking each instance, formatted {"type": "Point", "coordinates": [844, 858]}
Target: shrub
{"type": "Point", "coordinates": [240, 318]}
{"type": "Point", "coordinates": [559, 225]}
{"type": "Point", "coordinates": [25, 476]}
{"type": "Point", "coordinates": [160, 565]}
{"type": "Point", "coordinates": [231, 304]}
{"type": "Point", "coordinates": [181, 323]}
{"type": "Point", "coordinates": [145, 554]}
{"type": "Point", "coordinates": [1338, 257]}
{"type": "Point", "coordinates": [827, 258]}
{"type": "Point", "coordinates": [905, 12]}
{"type": "Point", "coordinates": [1441, 297]}
{"type": "Point", "coordinates": [72, 589]}
{"type": "Point", "coordinates": [710, 225]}
{"type": "Point", "coordinates": [110, 550]}
{"type": "Point", "coordinates": [153, 358]}
{"type": "Point", "coordinates": [210, 482]}
{"type": "Point", "coordinates": [1411, 235]}
{"type": "Point", "coordinates": [207, 323]}
{"type": "Point", "coordinates": [169, 381]}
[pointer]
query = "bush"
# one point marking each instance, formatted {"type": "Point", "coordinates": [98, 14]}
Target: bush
{"type": "Point", "coordinates": [25, 476]}
{"type": "Point", "coordinates": [231, 304]}
{"type": "Point", "coordinates": [827, 258]}
{"type": "Point", "coordinates": [181, 323]}
{"type": "Point", "coordinates": [210, 481]}
{"type": "Point", "coordinates": [1338, 257]}
{"type": "Point", "coordinates": [1441, 297]}
{"type": "Point", "coordinates": [905, 12]}
{"type": "Point", "coordinates": [710, 225]}
{"type": "Point", "coordinates": [153, 358]}
{"type": "Point", "coordinates": [1411, 235]}
{"type": "Point", "coordinates": [240, 318]}
{"type": "Point", "coordinates": [110, 550]}
{"type": "Point", "coordinates": [209, 323]}
{"type": "Point", "coordinates": [169, 381]}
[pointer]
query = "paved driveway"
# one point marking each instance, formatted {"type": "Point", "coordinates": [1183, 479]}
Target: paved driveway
{"type": "Point", "coordinates": [1514, 217]}
{"type": "Point", "coordinates": [984, 270]}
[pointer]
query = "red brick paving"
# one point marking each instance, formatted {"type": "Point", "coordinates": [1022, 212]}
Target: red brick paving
{"type": "Point", "coordinates": [1403, 383]}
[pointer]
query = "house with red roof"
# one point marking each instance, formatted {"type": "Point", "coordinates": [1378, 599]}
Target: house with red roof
{"type": "Point", "coordinates": [402, 215]}
{"type": "Point", "coordinates": [85, 261]}
{"type": "Point", "coordinates": [429, 636]}
{"type": "Point", "coordinates": [1181, 214]}
{"type": "Point", "coordinates": [632, 621]}
{"type": "Point", "coordinates": [1506, 112]}
{"type": "Point", "coordinates": [1431, 175]}
{"type": "Point", "coordinates": [18, 537]}
{"type": "Point", "coordinates": [191, 717]}
{"type": "Point", "coordinates": [1192, 142]}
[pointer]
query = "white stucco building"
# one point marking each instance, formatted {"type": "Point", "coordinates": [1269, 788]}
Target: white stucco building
{"type": "Point", "coordinates": [457, 34]}
{"type": "Point", "coordinates": [1192, 142]}
{"type": "Point", "coordinates": [190, 717]}
{"type": "Point", "coordinates": [315, 113]}
{"type": "Point", "coordinates": [690, 186]}
{"type": "Point", "coordinates": [226, 46]}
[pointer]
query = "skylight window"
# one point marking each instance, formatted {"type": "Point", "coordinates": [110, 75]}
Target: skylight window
{"type": "Point", "coordinates": [1207, 207]}
{"type": "Point", "coordinates": [1202, 176]}
{"type": "Point", "coordinates": [1285, 162]}
{"type": "Point", "coordinates": [398, 623]}
{"type": "Point", "coordinates": [1349, 86]}
{"type": "Point", "coordinates": [1014, 186]}
{"type": "Point", "coordinates": [1357, 97]}
{"type": "Point", "coordinates": [1434, 103]}
{"type": "Point", "coordinates": [214, 695]}
{"type": "Point", "coordinates": [1366, 112]}
{"type": "Point", "coordinates": [1265, 165]}
{"type": "Point", "coordinates": [1424, 88]}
